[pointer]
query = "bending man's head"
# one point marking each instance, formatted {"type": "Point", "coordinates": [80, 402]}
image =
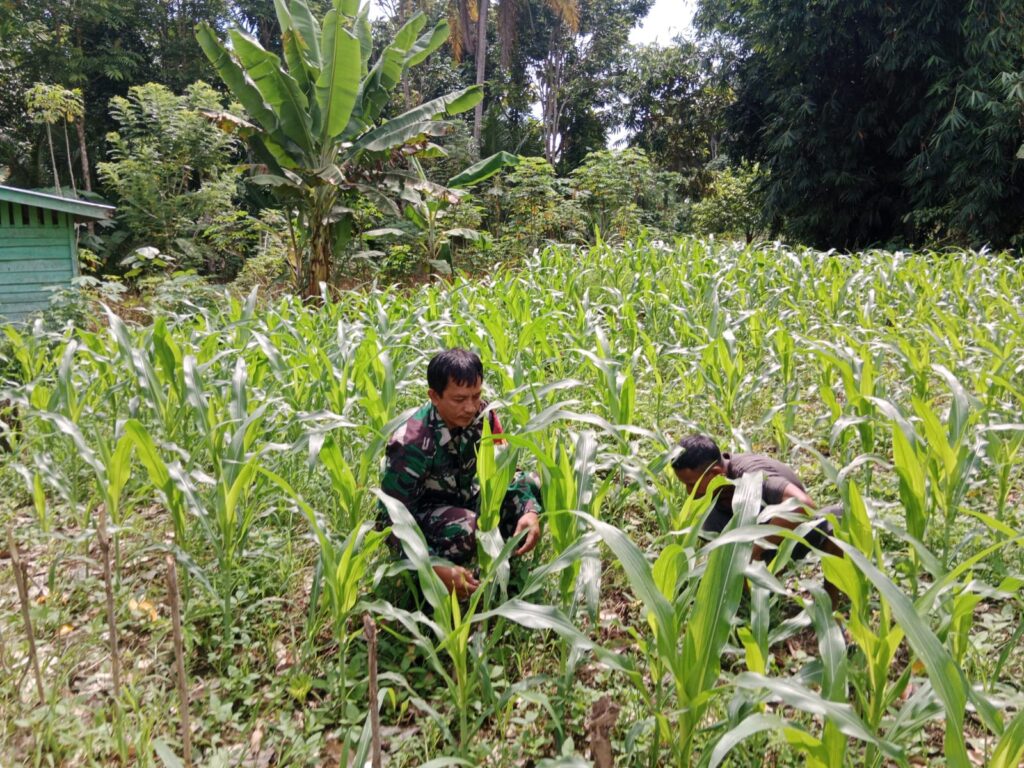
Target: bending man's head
{"type": "Point", "coordinates": [455, 379]}
{"type": "Point", "coordinates": [698, 461]}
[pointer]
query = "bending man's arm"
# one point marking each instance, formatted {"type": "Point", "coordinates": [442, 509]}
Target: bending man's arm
{"type": "Point", "coordinates": [807, 507]}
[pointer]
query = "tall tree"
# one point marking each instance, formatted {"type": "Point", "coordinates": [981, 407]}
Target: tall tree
{"type": "Point", "coordinates": [881, 121]}
{"type": "Point", "coordinates": [575, 63]}
{"type": "Point", "coordinates": [674, 99]}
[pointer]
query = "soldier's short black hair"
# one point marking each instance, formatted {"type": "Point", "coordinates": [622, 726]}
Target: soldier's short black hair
{"type": "Point", "coordinates": [697, 452]}
{"type": "Point", "coordinates": [456, 364]}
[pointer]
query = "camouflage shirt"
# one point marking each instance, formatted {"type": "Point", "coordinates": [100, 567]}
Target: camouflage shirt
{"type": "Point", "coordinates": [429, 465]}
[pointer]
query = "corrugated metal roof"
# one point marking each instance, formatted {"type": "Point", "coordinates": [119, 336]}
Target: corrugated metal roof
{"type": "Point", "coordinates": [77, 208]}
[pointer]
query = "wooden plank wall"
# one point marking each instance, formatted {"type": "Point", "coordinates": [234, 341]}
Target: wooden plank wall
{"type": "Point", "coordinates": [36, 251]}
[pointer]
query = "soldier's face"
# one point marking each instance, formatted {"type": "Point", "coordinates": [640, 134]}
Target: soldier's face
{"type": "Point", "coordinates": [459, 404]}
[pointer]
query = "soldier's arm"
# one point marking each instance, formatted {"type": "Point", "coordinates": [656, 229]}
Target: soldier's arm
{"type": "Point", "coordinates": [403, 473]}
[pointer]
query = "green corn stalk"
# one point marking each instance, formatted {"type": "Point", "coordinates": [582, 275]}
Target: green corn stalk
{"type": "Point", "coordinates": [452, 624]}
{"type": "Point", "coordinates": [877, 636]}
{"type": "Point", "coordinates": [689, 626]}
{"type": "Point", "coordinates": [903, 618]}
{"type": "Point", "coordinates": [495, 470]}
{"type": "Point", "coordinates": [344, 567]}
{"type": "Point", "coordinates": [616, 382]}
{"type": "Point", "coordinates": [783, 416]}
{"type": "Point", "coordinates": [858, 375]}
{"type": "Point", "coordinates": [227, 515]}
{"type": "Point", "coordinates": [156, 368]}
{"type": "Point", "coordinates": [724, 372]}
{"type": "Point", "coordinates": [949, 458]}
{"type": "Point", "coordinates": [1003, 451]}
{"type": "Point", "coordinates": [349, 491]}
{"type": "Point", "coordinates": [568, 486]}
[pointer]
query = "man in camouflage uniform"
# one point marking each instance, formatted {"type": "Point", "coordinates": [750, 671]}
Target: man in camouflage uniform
{"type": "Point", "coordinates": [431, 468]}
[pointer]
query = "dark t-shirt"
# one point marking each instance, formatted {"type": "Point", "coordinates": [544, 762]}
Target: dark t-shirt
{"type": "Point", "coordinates": [776, 477]}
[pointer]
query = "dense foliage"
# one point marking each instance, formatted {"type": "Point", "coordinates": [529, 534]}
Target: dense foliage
{"type": "Point", "coordinates": [173, 170]}
{"type": "Point", "coordinates": [873, 122]}
{"type": "Point", "coordinates": [675, 98]}
{"type": "Point", "coordinates": [243, 439]}
{"type": "Point", "coordinates": [881, 121]}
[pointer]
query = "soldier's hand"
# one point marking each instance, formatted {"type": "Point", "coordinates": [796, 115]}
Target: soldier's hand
{"type": "Point", "coordinates": [531, 524]}
{"type": "Point", "coordinates": [457, 579]}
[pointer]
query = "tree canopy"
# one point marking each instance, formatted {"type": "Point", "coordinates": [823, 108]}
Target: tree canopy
{"type": "Point", "coordinates": [880, 121]}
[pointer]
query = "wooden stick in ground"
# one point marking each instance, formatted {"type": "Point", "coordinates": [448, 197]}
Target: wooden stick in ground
{"type": "Point", "coordinates": [602, 720]}
{"type": "Point", "coordinates": [179, 661]}
{"type": "Point", "coordinates": [3, 652]}
{"type": "Point", "coordinates": [21, 579]}
{"type": "Point", "coordinates": [115, 658]}
{"type": "Point", "coordinates": [370, 630]}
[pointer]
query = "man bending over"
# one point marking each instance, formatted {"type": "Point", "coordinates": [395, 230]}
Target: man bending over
{"type": "Point", "coordinates": [431, 468]}
{"type": "Point", "coordinates": [701, 460]}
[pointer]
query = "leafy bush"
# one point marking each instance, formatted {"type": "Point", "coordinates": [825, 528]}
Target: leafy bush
{"type": "Point", "coordinates": [623, 193]}
{"type": "Point", "coordinates": [172, 172]}
{"type": "Point", "coordinates": [269, 266]}
{"type": "Point", "coordinates": [529, 206]}
{"type": "Point", "coordinates": [734, 204]}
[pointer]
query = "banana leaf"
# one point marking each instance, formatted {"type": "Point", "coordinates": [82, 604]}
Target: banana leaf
{"type": "Point", "coordinates": [277, 87]}
{"type": "Point", "coordinates": [396, 132]}
{"type": "Point", "coordinates": [483, 170]}
{"type": "Point", "coordinates": [336, 87]}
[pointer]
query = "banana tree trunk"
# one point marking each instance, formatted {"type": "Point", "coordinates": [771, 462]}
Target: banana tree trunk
{"type": "Point", "coordinates": [481, 71]}
{"type": "Point", "coordinates": [321, 251]}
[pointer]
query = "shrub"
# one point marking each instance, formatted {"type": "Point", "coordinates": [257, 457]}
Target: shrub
{"type": "Point", "coordinates": [734, 204]}
{"type": "Point", "coordinates": [623, 193]}
{"type": "Point", "coordinates": [529, 206]}
{"type": "Point", "coordinates": [172, 171]}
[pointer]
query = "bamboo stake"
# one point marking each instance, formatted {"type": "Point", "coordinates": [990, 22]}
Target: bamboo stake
{"type": "Point", "coordinates": [21, 579]}
{"type": "Point", "coordinates": [370, 630]}
{"type": "Point", "coordinates": [179, 660]}
{"type": "Point", "coordinates": [115, 658]}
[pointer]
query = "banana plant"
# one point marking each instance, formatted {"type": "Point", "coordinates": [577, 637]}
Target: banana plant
{"type": "Point", "coordinates": [317, 118]}
{"type": "Point", "coordinates": [427, 208]}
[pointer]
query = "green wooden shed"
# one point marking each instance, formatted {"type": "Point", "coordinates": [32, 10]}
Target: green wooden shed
{"type": "Point", "coordinates": [38, 248]}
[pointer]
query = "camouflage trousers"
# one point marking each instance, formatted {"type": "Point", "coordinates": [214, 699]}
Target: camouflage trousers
{"type": "Point", "coordinates": [451, 531]}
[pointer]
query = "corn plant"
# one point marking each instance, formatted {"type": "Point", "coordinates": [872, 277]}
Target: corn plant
{"type": "Point", "coordinates": [568, 487]}
{"type": "Point", "coordinates": [689, 617]}
{"type": "Point", "coordinates": [344, 566]}
{"type": "Point", "coordinates": [1003, 450]}
{"type": "Point", "coordinates": [950, 458]}
{"type": "Point", "coordinates": [454, 626]}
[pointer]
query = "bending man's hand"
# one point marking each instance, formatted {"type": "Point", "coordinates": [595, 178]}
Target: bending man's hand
{"type": "Point", "coordinates": [457, 579]}
{"type": "Point", "coordinates": [531, 524]}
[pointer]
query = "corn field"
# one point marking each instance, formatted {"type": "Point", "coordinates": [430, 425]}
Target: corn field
{"type": "Point", "coordinates": [232, 453]}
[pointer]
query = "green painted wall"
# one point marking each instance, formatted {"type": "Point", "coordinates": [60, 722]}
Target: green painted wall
{"type": "Point", "coordinates": [37, 250]}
